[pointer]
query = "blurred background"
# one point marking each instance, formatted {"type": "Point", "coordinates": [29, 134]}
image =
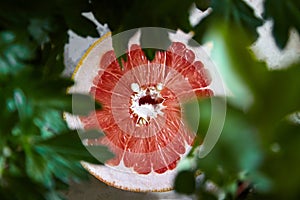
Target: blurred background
{"type": "Point", "coordinates": [254, 44]}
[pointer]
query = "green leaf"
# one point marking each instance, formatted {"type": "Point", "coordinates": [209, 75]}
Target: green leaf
{"type": "Point", "coordinates": [237, 149]}
{"type": "Point", "coordinates": [7, 37]}
{"type": "Point", "coordinates": [101, 153]}
{"type": "Point", "coordinates": [120, 45]}
{"type": "Point", "coordinates": [51, 55]}
{"type": "Point", "coordinates": [2, 165]}
{"type": "Point", "coordinates": [169, 14]}
{"type": "Point", "coordinates": [248, 136]}
{"type": "Point", "coordinates": [236, 152]}
{"type": "Point", "coordinates": [43, 155]}
{"type": "Point", "coordinates": [262, 83]}
{"type": "Point", "coordinates": [285, 15]}
{"type": "Point", "coordinates": [277, 104]}
{"type": "Point", "coordinates": [250, 81]}
{"type": "Point", "coordinates": [65, 170]}
{"type": "Point", "coordinates": [153, 40]}
{"type": "Point", "coordinates": [22, 105]}
{"type": "Point", "coordinates": [71, 11]}
{"type": "Point", "coordinates": [206, 195]}
{"type": "Point", "coordinates": [60, 144]}
{"type": "Point", "coordinates": [54, 195]}
{"type": "Point", "coordinates": [203, 4]}
{"type": "Point", "coordinates": [80, 24]}
{"type": "Point", "coordinates": [83, 104]}
{"type": "Point", "coordinates": [37, 169]}
{"type": "Point", "coordinates": [185, 182]}
{"type": "Point", "coordinates": [63, 156]}
{"type": "Point", "coordinates": [230, 13]}
{"type": "Point", "coordinates": [50, 122]}
{"type": "Point", "coordinates": [26, 189]}
{"type": "Point", "coordinates": [134, 14]}
{"type": "Point", "coordinates": [15, 50]}
{"type": "Point", "coordinates": [283, 161]}
{"type": "Point", "coordinates": [90, 134]}
{"type": "Point", "coordinates": [50, 93]}
{"type": "Point", "coordinates": [39, 29]}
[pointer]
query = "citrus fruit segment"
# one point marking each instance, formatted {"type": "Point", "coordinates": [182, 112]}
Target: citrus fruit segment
{"type": "Point", "coordinates": [142, 114]}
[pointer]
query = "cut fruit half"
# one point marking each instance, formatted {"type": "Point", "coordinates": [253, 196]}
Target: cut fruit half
{"type": "Point", "coordinates": [142, 111]}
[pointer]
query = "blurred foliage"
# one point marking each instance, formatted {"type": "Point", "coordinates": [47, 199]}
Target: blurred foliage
{"type": "Point", "coordinates": [35, 142]}
{"type": "Point", "coordinates": [285, 15]}
{"type": "Point", "coordinates": [256, 156]}
{"type": "Point", "coordinates": [39, 155]}
{"type": "Point", "coordinates": [257, 151]}
{"type": "Point", "coordinates": [229, 13]}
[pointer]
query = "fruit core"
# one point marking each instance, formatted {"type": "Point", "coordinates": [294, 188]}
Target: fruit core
{"type": "Point", "coordinates": [146, 103]}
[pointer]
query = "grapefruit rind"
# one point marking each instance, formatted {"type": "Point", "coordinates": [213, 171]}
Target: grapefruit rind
{"type": "Point", "coordinates": [118, 176]}
{"type": "Point", "coordinates": [132, 182]}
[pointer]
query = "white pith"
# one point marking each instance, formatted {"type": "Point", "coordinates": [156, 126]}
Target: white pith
{"type": "Point", "coordinates": [145, 112]}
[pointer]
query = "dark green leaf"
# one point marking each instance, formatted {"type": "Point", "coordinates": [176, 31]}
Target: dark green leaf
{"type": "Point", "coordinates": [50, 122]}
{"type": "Point", "coordinates": [101, 153]}
{"type": "Point", "coordinates": [39, 29]}
{"type": "Point", "coordinates": [90, 134]}
{"type": "Point", "coordinates": [150, 53]}
{"type": "Point", "coordinates": [37, 169]}
{"type": "Point", "coordinates": [185, 182]}
{"type": "Point", "coordinates": [80, 24]}
{"type": "Point", "coordinates": [120, 45]}
{"type": "Point", "coordinates": [262, 82]}
{"type": "Point", "coordinates": [284, 98]}
{"type": "Point", "coordinates": [83, 104]}
{"type": "Point", "coordinates": [22, 105]}
{"type": "Point", "coordinates": [7, 37]}
{"type": "Point", "coordinates": [283, 161]}
{"type": "Point", "coordinates": [15, 50]}
{"type": "Point", "coordinates": [136, 14]}
{"type": "Point", "coordinates": [230, 13]}
{"type": "Point", "coordinates": [60, 144]}
{"type": "Point", "coordinates": [203, 4]}
{"type": "Point", "coordinates": [285, 15]}
{"type": "Point", "coordinates": [43, 155]}
{"type": "Point", "coordinates": [26, 189]}
{"type": "Point", "coordinates": [237, 149]}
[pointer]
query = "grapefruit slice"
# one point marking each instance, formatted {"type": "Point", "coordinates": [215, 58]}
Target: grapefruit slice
{"type": "Point", "coordinates": [142, 114]}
